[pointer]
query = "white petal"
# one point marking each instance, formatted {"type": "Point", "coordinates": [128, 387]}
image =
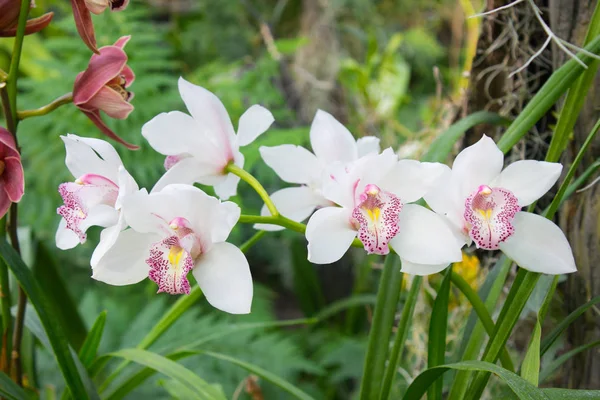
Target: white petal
{"type": "Point", "coordinates": [228, 187]}
{"type": "Point", "coordinates": [528, 179]}
{"type": "Point", "coordinates": [329, 235]}
{"type": "Point", "coordinates": [293, 164]}
{"type": "Point", "coordinates": [102, 147]}
{"type": "Point", "coordinates": [253, 123]}
{"type": "Point", "coordinates": [295, 203]}
{"type": "Point", "coordinates": [127, 186]}
{"type": "Point", "coordinates": [222, 221]}
{"type": "Point", "coordinates": [477, 165]}
{"type": "Point", "coordinates": [108, 237]}
{"type": "Point", "coordinates": [424, 237]}
{"type": "Point", "coordinates": [224, 276]}
{"type": "Point", "coordinates": [177, 133]}
{"type": "Point", "coordinates": [421, 269]}
{"type": "Point", "coordinates": [65, 238]}
{"type": "Point", "coordinates": [209, 113]}
{"type": "Point", "coordinates": [100, 215]}
{"type": "Point", "coordinates": [410, 180]}
{"type": "Point", "coordinates": [188, 171]}
{"type": "Point", "coordinates": [125, 262]}
{"type": "Point", "coordinates": [539, 245]}
{"type": "Point", "coordinates": [330, 140]}
{"type": "Point", "coordinates": [445, 200]}
{"type": "Point", "coordinates": [367, 144]}
{"type": "Point", "coordinates": [81, 159]}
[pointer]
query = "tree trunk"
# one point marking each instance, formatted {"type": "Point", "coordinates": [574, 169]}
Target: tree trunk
{"type": "Point", "coordinates": [580, 216]}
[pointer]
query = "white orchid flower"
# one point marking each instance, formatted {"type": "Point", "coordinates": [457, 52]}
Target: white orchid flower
{"type": "Point", "coordinates": [483, 203]}
{"type": "Point", "coordinates": [373, 194]}
{"type": "Point", "coordinates": [175, 231]}
{"type": "Point", "coordinates": [96, 196]}
{"type": "Point", "coordinates": [331, 143]}
{"type": "Point", "coordinates": [200, 146]}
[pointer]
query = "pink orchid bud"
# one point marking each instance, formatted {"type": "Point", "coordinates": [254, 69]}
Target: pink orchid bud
{"type": "Point", "coordinates": [82, 10]}
{"type": "Point", "coordinates": [12, 182]}
{"type": "Point", "coordinates": [103, 87]}
{"type": "Point", "coordinates": [9, 19]}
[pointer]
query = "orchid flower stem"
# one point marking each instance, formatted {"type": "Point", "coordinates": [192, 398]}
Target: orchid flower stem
{"type": "Point", "coordinates": [5, 299]}
{"type": "Point", "coordinates": [280, 220]}
{"type": "Point", "coordinates": [256, 185]}
{"type": "Point", "coordinates": [13, 72]}
{"type": "Point", "coordinates": [252, 241]}
{"type": "Point", "coordinates": [403, 326]}
{"type": "Point", "coordinates": [388, 294]}
{"type": "Point", "coordinates": [48, 108]}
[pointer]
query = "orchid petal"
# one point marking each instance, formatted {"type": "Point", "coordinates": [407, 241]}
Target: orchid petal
{"type": "Point", "coordinates": [94, 116]}
{"type": "Point", "coordinates": [125, 262]}
{"type": "Point", "coordinates": [367, 145]}
{"type": "Point", "coordinates": [14, 181]}
{"type": "Point", "coordinates": [224, 276]}
{"type": "Point", "coordinates": [539, 245]}
{"type": "Point", "coordinates": [102, 147]}
{"type": "Point", "coordinates": [293, 164]}
{"type": "Point", "coordinates": [228, 187]}
{"type": "Point", "coordinates": [253, 123]}
{"type": "Point", "coordinates": [421, 269]}
{"type": "Point", "coordinates": [65, 238]}
{"type": "Point", "coordinates": [330, 140]}
{"type": "Point", "coordinates": [207, 109]}
{"type": "Point", "coordinates": [7, 139]}
{"type": "Point", "coordinates": [83, 159]}
{"type": "Point", "coordinates": [188, 171]}
{"type": "Point", "coordinates": [4, 201]}
{"type": "Point", "coordinates": [329, 235]}
{"type": "Point", "coordinates": [108, 238]}
{"type": "Point", "coordinates": [445, 200]}
{"type": "Point", "coordinates": [177, 133]}
{"type": "Point", "coordinates": [101, 69]}
{"type": "Point", "coordinates": [84, 24]}
{"type": "Point", "coordinates": [477, 165]}
{"type": "Point", "coordinates": [410, 180]}
{"type": "Point", "coordinates": [111, 102]}
{"type": "Point", "coordinates": [33, 25]}
{"type": "Point", "coordinates": [295, 203]}
{"type": "Point", "coordinates": [528, 179]}
{"type": "Point", "coordinates": [424, 237]}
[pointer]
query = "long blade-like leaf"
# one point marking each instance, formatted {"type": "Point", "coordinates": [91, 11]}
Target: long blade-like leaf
{"type": "Point", "coordinates": [46, 311]}
{"type": "Point", "coordinates": [173, 370]}
{"type": "Point", "coordinates": [10, 390]}
{"type": "Point", "coordinates": [436, 347]}
{"type": "Point", "coordinates": [522, 388]}
{"type": "Point", "coordinates": [88, 351]}
{"type": "Point", "coordinates": [550, 368]}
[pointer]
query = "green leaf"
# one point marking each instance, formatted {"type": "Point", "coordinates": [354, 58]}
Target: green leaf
{"type": "Point", "coordinates": [550, 368]}
{"type": "Point", "coordinates": [173, 370]}
{"type": "Point", "coordinates": [45, 271]}
{"type": "Point", "coordinates": [403, 326]}
{"type": "Point", "coordinates": [88, 351]}
{"type": "Point", "coordinates": [438, 326]}
{"type": "Point", "coordinates": [10, 390]}
{"type": "Point", "coordinates": [139, 377]}
{"type": "Point", "coordinates": [564, 324]}
{"type": "Point", "coordinates": [522, 388]}
{"type": "Point", "coordinates": [33, 323]}
{"type": "Point", "coordinates": [575, 98]}
{"type": "Point", "coordinates": [343, 304]}
{"type": "Point", "coordinates": [558, 83]}
{"type": "Point", "coordinates": [46, 311]}
{"type": "Point", "coordinates": [388, 294]}
{"type": "Point", "coordinates": [305, 280]}
{"type": "Point", "coordinates": [571, 394]}
{"type": "Point", "coordinates": [442, 146]}
{"type": "Point", "coordinates": [266, 375]}
{"type": "Point", "coordinates": [530, 368]}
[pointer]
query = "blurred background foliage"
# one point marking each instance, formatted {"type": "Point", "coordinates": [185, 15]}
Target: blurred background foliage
{"type": "Point", "coordinates": [390, 68]}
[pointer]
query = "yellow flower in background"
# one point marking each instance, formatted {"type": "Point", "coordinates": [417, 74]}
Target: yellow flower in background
{"type": "Point", "coordinates": [469, 269]}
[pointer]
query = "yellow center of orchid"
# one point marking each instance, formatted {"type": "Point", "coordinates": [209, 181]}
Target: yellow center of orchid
{"type": "Point", "coordinates": [175, 255]}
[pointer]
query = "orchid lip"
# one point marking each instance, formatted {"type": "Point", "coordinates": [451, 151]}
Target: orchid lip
{"type": "Point", "coordinates": [489, 213]}
{"type": "Point", "coordinates": [376, 218]}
